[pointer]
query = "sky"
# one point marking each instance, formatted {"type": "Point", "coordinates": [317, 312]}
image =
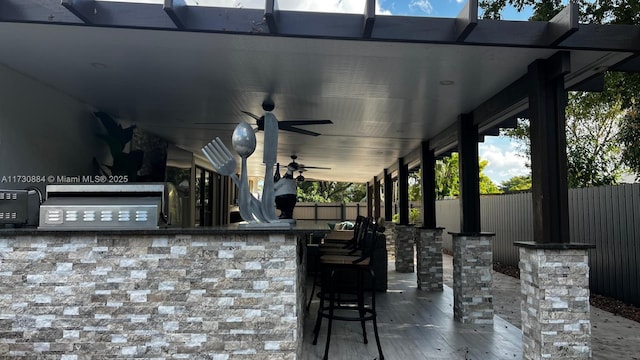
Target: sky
{"type": "Point", "coordinates": [501, 152]}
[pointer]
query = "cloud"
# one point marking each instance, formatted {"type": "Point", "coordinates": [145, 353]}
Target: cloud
{"type": "Point", "coordinates": [504, 160]}
{"type": "Point", "coordinates": [422, 5]}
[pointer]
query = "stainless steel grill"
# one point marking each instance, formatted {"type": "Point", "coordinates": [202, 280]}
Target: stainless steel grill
{"type": "Point", "coordinates": [103, 206]}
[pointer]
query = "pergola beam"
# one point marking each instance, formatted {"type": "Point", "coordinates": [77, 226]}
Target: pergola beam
{"type": "Point", "coordinates": [466, 20]}
{"type": "Point", "coordinates": [562, 32]}
{"type": "Point", "coordinates": [562, 25]}
{"type": "Point", "coordinates": [173, 8]}
{"type": "Point", "coordinates": [369, 18]}
{"type": "Point", "coordinates": [81, 9]}
{"type": "Point", "coordinates": [270, 16]}
{"type": "Point", "coordinates": [118, 14]}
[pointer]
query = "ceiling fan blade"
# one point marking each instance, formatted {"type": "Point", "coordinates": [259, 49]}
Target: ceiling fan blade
{"type": "Point", "coordinates": [297, 130]}
{"type": "Point", "coordinates": [215, 123]}
{"type": "Point", "coordinates": [250, 114]}
{"type": "Point", "coordinates": [314, 167]}
{"type": "Point", "coordinates": [306, 122]}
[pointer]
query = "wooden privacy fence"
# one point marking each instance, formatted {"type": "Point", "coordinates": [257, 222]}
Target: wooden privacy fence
{"type": "Point", "coordinates": [329, 211]}
{"type": "Point", "coordinates": [607, 216]}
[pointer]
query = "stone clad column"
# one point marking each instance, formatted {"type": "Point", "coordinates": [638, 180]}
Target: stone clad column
{"type": "Point", "coordinates": [556, 316]}
{"type": "Point", "coordinates": [390, 234]}
{"type": "Point", "coordinates": [405, 240]}
{"type": "Point", "coordinates": [472, 278]}
{"type": "Point", "coordinates": [429, 259]}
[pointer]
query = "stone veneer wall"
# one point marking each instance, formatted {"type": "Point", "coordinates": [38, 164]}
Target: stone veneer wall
{"type": "Point", "coordinates": [390, 233]}
{"type": "Point", "coordinates": [556, 318]}
{"type": "Point", "coordinates": [429, 259]}
{"type": "Point", "coordinates": [76, 297]}
{"type": "Point", "coordinates": [405, 254]}
{"type": "Point", "coordinates": [472, 279]}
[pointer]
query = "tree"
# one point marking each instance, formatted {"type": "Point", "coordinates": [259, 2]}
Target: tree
{"type": "Point", "coordinates": [516, 183]}
{"type": "Point", "coordinates": [330, 191]}
{"type": "Point", "coordinates": [448, 181]}
{"type": "Point", "coordinates": [593, 154]}
{"type": "Point", "coordinates": [629, 137]}
{"type": "Point", "coordinates": [619, 87]}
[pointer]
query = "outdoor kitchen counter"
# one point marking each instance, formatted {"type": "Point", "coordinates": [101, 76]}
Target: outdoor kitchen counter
{"type": "Point", "coordinates": [216, 293]}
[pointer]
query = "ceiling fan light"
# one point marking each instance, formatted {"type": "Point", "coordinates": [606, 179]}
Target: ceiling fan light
{"type": "Point", "coordinates": [300, 178]}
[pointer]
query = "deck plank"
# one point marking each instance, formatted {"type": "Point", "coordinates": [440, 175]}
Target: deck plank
{"type": "Point", "coordinates": [415, 324]}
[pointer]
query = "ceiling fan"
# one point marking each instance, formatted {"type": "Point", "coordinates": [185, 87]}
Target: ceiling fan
{"type": "Point", "coordinates": [300, 168]}
{"type": "Point", "coordinates": [287, 125]}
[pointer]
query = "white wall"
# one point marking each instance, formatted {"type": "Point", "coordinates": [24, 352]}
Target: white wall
{"type": "Point", "coordinates": [43, 131]}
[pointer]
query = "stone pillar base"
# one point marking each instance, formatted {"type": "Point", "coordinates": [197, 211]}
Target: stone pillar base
{"type": "Point", "coordinates": [556, 317]}
{"type": "Point", "coordinates": [390, 233]}
{"type": "Point", "coordinates": [472, 278]}
{"type": "Point", "coordinates": [429, 256]}
{"type": "Point", "coordinates": [405, 239]}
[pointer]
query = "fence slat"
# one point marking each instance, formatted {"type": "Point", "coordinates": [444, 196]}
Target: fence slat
{"type": "Point", "coordinates": [608, 217]}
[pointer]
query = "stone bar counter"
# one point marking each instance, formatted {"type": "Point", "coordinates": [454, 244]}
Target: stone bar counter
{"type": "Point", "coordinates": [202, 293]}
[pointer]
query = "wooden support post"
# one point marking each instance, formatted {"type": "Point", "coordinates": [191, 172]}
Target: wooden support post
{"type": "Point", "coordinates": [370, 199]}
{"type": "Point", "coordinates": [428, 188]}
{"type": "Point", "coordinates": [547, 102]}
{"type": "Point", "coordinates": [376, 197]}
{"type": "Point", "coordinates": [469, 174]}
{"type": "Point", "coordinates": [388, 196]}
{"type": "Point", "coordinates": [403, 192]}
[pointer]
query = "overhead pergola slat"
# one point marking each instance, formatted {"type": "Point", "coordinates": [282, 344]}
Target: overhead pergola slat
{"type": "Point", "coordinates": [80, 8]}
{"type": "Point", "coordinates": [172, 8]}
{"type": "Point", "coordinates": [467, 20]}
{"type": "Point", "coordinates": [562, 25]}
{"type": "Point", "coordinates": [562, 32]}
{"type": "Point", "coordinates": [119, 14]}
{"type": "Point", "coordinates": [270, 16]}
{"type": "Point", "coordinates": [369, 18]}
{"type": "Point", "coordinates": [20, 10]}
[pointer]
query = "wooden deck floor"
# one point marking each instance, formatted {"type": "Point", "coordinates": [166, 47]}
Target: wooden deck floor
{"type": "Point", "coordinates": [415, 324]}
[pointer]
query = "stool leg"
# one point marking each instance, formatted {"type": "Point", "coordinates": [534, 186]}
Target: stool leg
{"type": "Point", "coordinates": [363, 313]}
{"type": "Point", "coordinates": [331, 309]}
{"type": "Point", "coordinates": [313, 289]}
{"type": "Point", "coordinates": [375, 317]}
{"type": "Point", "coordinates": [321, 295]}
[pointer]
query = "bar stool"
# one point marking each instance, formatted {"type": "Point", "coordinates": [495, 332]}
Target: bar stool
{"type": "Point", "coordinates": [348, 247]}
{"type": "Point", "coordinates": [343, 286]}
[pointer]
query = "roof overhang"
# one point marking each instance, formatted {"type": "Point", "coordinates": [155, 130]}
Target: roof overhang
{"type": "Point", "coordinates": [388, 83]}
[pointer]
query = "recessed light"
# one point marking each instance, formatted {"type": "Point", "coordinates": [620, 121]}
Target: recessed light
{"type": "Point", "coordinates": [446, 82]}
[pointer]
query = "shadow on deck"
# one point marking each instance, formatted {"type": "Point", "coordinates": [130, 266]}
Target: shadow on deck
{"type": "Point", "coordinates": [415, 324]}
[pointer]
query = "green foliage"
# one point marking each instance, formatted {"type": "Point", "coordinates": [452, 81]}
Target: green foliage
{"type": "Point", "coordinates": [487, 186]}
{"type": "Point", "coordinates": [629, 137]}
{"type": "Point", "coordinates": [448, 179]}
{"type": "Point", "coordinates": [415, 189]}
{"type": "Point", "coordinates": [621, 88]}
{"type": "Point", "coordinates": [330, 191]}
{"type": "Point", "coordinates": [414, 216]}
{"type": "Point", "coordinates": [593, 154]}
{"type": "Point", "coordinates": [516, 183]}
